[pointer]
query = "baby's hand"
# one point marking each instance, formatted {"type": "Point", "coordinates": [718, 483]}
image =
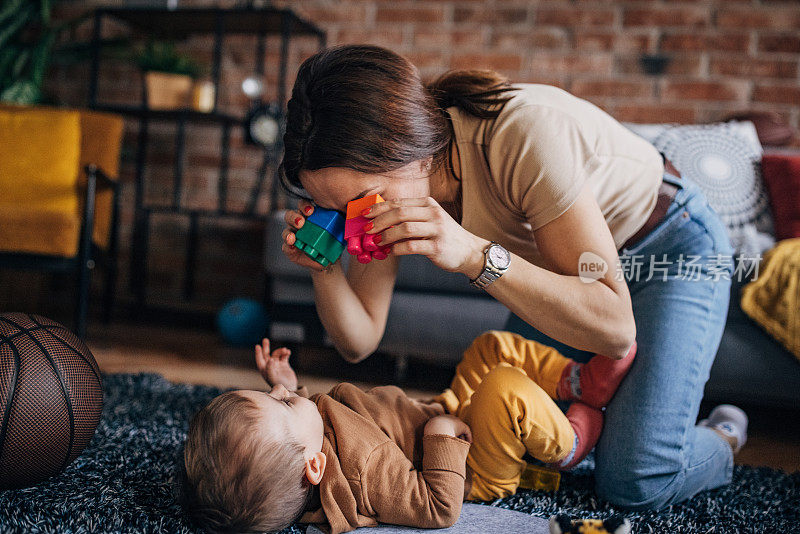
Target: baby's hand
{"type": "Point", "coordinates": [449, 425]}
{"type": "Point", "coordinates": [274, 367]}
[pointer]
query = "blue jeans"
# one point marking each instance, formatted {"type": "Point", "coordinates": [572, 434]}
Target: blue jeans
{"type": "Point", "coordinates": [651, 454]}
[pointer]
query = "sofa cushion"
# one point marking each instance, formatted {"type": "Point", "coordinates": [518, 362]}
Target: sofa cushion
{"type": "Point", "coordinates": [723, 159]}
{"type": "Point", "coordinates": [39, 230]}
{"type": "Point", "coordinates": [101, 139]}
{"type": "Point", "coordinates": [436, 327]}
{"type": "Point", "coordinates": [782, 178]}
{"type": "Point", "coordinates": [773, 299]}
{"type": "Point", "coordinates": [39, 154]}
{"type": "Point", "coordinates": [751, 367]}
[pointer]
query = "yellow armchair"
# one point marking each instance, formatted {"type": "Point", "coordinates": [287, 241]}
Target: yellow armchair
{"type": "Point", "coordinates": [58, 194]}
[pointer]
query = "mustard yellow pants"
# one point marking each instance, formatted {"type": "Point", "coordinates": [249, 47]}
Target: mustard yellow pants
{"type": "Point", "coordinates": [504, 389]}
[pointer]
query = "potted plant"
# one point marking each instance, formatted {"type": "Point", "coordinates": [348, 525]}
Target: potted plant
{"type": "Point", "coordinates": [168, 75]}
{"type": "Point", "coordinates": [30, 41]}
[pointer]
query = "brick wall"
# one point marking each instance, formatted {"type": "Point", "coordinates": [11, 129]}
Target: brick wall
{"type": "Point", "coordinates": [725, 56]}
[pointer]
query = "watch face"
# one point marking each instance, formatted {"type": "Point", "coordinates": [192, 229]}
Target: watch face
{"type": "Point", "coordinates": [499, 256]}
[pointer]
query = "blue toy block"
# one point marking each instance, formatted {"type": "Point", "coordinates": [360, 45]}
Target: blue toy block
{"type": "Point", "coordinates": [329, 220]}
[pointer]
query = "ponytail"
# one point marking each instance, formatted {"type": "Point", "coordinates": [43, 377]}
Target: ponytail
{"type": "Point", "coordinates": [472, 91]}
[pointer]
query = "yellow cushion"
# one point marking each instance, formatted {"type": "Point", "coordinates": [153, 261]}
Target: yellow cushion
{"type": "Point", "coordinates": [39, 230]}
{"type": "Point", "coordinates": [39, 154]}
{"type": "Point", "coordinates": [773, 299]}
{"type": "Point", "coordinates": [101, 138]}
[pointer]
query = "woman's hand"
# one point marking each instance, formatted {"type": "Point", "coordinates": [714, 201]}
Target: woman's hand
{"type": "Point", "coordinates": [295, 219]}
{"type": "Point", "coordinates": [274, 367]}
{"type": "Point", "coordinates": [449, 425]}
{"type": "Point", "coordinates": [422, 226]}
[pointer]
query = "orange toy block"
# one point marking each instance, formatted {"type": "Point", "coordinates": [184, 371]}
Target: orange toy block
{"type": "Point", "coordinates": [355, 207]}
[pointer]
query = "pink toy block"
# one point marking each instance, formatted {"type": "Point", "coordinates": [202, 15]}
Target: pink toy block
{"type": "Point", "coordinates": [359, 243]}
{"type": "Point", "coordinates": [355, 226]}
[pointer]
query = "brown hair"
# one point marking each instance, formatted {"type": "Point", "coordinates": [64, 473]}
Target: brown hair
{"type": "Point", "coordinates": [365, 107]}
{"type": "Point", "coordinates": [236, 478]}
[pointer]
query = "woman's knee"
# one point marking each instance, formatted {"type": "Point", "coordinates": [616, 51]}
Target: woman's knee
{"type": "Point", "coordinates": [623, 485]}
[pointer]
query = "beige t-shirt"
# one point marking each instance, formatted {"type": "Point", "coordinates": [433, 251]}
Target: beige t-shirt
{"type": "Point", "coordinates": [527, 166]}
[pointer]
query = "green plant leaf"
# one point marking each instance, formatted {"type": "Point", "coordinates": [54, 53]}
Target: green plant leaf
{"type": "Point", "coordinates": [21, 92]}
{"type": "Point", "coordinates": [20, 63]}
{"type": "Point", "coordinates": [45, 11]}
{"type": "Point", "coordinates": [162, 56]}
{"type": "Point", "coordinates": [10, 8]}
{"type": "Point", "coordinates": [7, 56]}
{"type": "Point", "coordinates": [41, 57]}
{"type": "Point", "coordinates": [7, 31]}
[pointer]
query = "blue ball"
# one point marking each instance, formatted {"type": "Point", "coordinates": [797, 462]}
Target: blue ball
{"type": "Point", "coordinates": [243, 322]}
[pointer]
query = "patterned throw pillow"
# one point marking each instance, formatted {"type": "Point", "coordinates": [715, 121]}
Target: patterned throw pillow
{"type": "Point", "coordinates": [724, 159]}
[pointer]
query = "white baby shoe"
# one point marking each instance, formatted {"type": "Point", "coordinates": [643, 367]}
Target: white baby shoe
{"type": "Point", "coordinates": [729, 420]}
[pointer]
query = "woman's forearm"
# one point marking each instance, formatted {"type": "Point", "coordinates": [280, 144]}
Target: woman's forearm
{"type": "Point", "coordinates": [354, 321]}
{"type": "Point", "coordinates": [341, 312]}
{"type": "Point", "coordinates": [586, 316]}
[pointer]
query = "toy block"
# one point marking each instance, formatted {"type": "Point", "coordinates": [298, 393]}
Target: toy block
{"type": "Point", "coordinates": [539, 478]}
{"type": "Point", "coordinates": [324, 252]}
{"type": "Point", "coordinates": [319, 244]}
{"type": "Point", "coordinates": [354, 227]}
{"type": "Point", "coordinates": [355, 207]}
{"type": "Point", "coordinates": [329, 220]}
{"type": "Point", "coordinates": [359, 243]}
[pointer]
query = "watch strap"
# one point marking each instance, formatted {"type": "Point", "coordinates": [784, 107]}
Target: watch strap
{"type": "Point", "coordinates": [490, 273]}
{"type": "Point", "coordinates": [486, 278]}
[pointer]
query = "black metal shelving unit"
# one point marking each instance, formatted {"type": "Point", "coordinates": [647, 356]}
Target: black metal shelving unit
{"type": "Point", "coordinates": [179, 24]}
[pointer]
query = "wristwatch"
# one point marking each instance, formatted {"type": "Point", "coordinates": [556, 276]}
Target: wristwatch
{"type": "Point", "coordinates": [496, 260]}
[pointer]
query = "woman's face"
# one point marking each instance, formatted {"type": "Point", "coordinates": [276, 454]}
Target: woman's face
{"type": "Point", "coordinates": [334, 187]}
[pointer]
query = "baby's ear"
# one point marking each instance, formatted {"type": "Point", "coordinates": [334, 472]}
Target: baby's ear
{"type": "Point", "coordinates": [315, 467]}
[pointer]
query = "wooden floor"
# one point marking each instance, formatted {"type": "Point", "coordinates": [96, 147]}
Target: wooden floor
{"type": "Point", "coordinates": [183, 355]}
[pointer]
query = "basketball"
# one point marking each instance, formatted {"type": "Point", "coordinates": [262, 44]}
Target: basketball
{"type": "Point", "coordinates": [51, 398]}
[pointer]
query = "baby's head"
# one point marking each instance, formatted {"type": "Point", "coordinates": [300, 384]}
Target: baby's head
{"type": "Point", "coordinates": [251, 458]}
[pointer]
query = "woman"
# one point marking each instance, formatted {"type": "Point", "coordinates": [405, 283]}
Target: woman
{"type": "Point", "coordinates": [536, 196]}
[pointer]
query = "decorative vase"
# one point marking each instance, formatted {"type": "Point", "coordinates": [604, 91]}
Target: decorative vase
{"type": "Point", "coordinates": [167, 91]}
{"type": "Point", "coordinates": [203, 96]}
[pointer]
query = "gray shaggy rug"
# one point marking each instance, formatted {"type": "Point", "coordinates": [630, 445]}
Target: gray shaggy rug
{"type": "Point", "coordinates": [125, 481]}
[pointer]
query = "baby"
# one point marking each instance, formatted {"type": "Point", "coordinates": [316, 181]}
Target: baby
{"type": "Point", "coordinates": [259, 461]}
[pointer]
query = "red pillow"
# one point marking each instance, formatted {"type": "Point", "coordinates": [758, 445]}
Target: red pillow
{"type": "Point", "coordinates": [781, 174]}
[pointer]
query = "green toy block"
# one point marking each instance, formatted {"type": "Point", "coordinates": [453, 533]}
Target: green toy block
{"type": "Point", "coordinates": [320, 245]}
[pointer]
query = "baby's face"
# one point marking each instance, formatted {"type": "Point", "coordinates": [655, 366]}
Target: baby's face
{"type": "Point", "coordinates": [286, 411]}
